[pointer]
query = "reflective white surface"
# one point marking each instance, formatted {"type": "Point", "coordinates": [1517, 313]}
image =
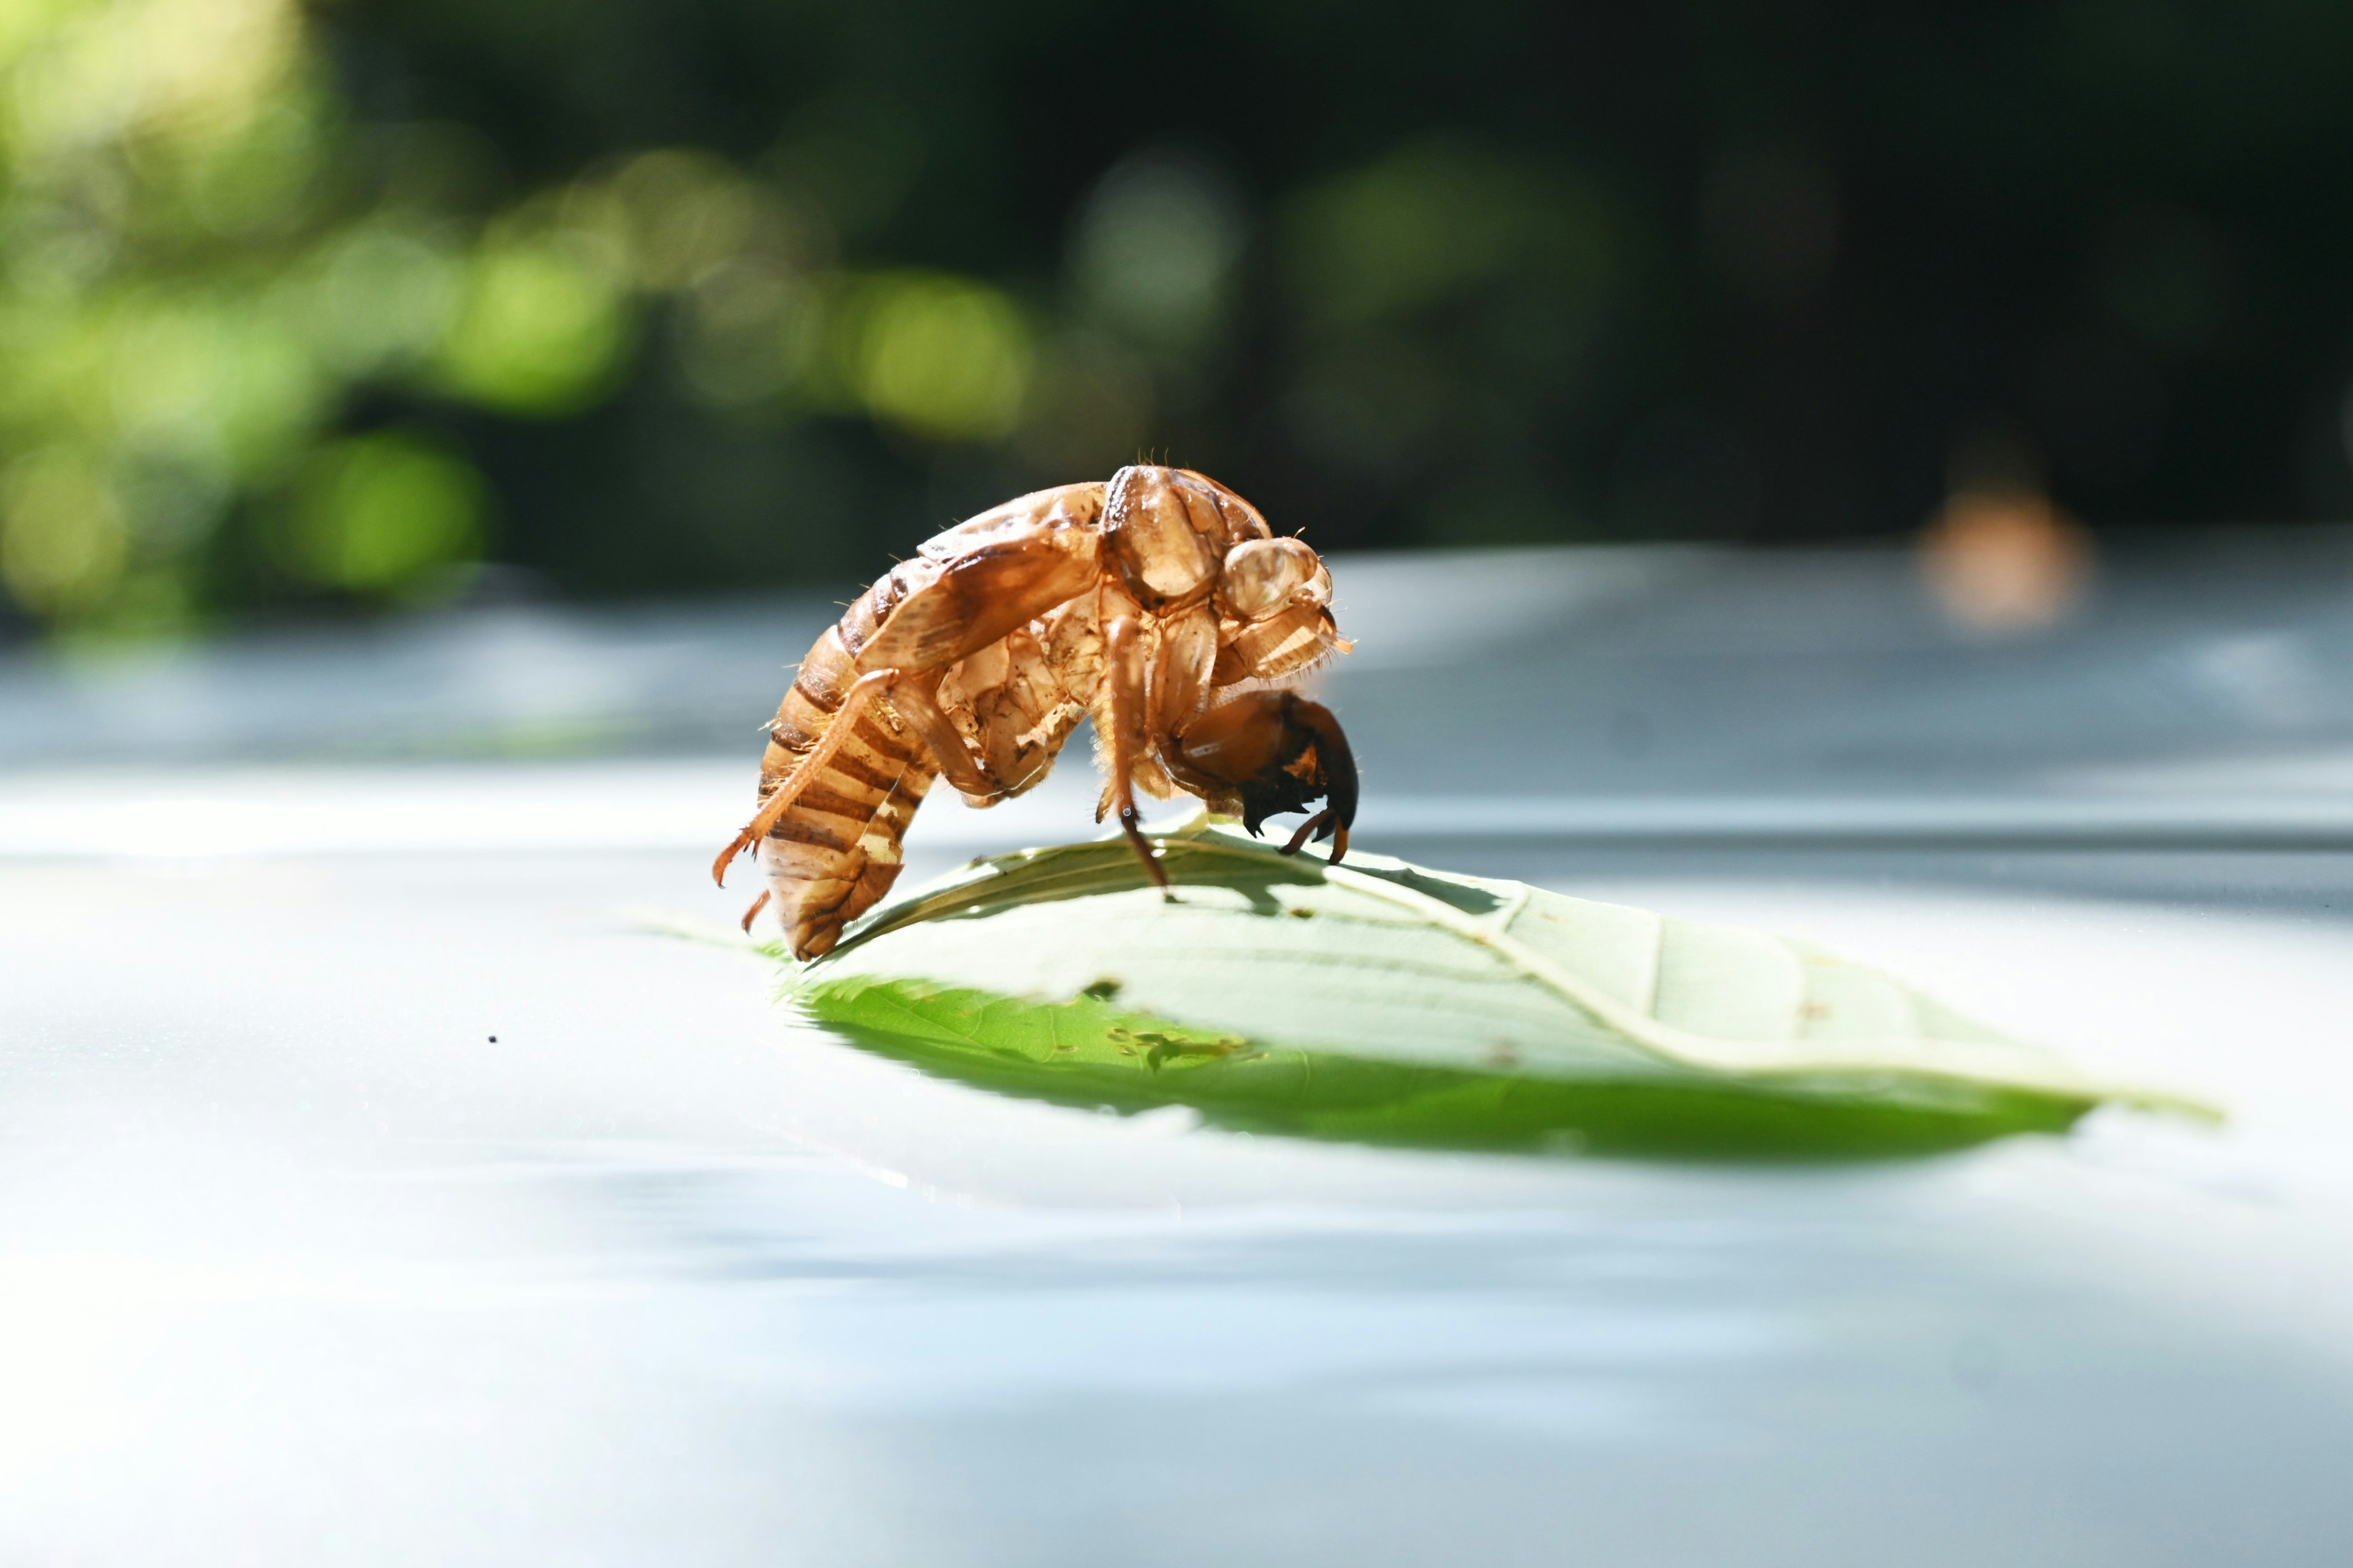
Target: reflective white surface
{"type": "Point", "coordinates": [298, 1264]}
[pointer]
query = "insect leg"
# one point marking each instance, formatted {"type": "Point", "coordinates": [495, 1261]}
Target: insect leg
{"type": "Point", "coordinates": [1123, 673]}
{"type": "Point", "coordinates": [1338, 763]}
{"type": "Point", "coordinates": [854, 702]}
{"type": "Point", "coordinates": [969, 774]}
{"type": "Point", "coordinates": [1320, 827]}
{"type": "Point", "coordinates": [754, 912]}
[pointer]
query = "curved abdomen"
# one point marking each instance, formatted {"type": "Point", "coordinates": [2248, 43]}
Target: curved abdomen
{"type": "Point", "coordinates": [834, 852]}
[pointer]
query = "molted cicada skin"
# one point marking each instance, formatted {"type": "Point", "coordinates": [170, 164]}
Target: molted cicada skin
{"type": "Point", "coordinates": [1159, 604]}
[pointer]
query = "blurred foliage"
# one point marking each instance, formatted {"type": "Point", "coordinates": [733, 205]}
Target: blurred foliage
{"type": "Point", "coordinates": [367, 303]}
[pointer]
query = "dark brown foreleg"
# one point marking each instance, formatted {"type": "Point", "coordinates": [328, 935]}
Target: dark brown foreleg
{"type": "Point", "coordinates": [1266, 753]}
{"type": "Point", "coordinates": [1124, 675]}
{"type": "Point", "coordinates": [1335, 770]}
{"type": "Point", "coordinates": [1320, 827]}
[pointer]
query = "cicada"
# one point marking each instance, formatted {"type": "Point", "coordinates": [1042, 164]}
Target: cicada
{"type": "Point", "coordinates": [1159, 606]}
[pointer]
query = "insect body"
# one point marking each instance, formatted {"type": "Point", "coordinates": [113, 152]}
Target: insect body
{"type": "Point", "coordinates": [1159, 604]}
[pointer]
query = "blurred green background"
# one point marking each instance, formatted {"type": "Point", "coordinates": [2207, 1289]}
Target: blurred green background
{"type": "Point", "coordinates": [364, 305]}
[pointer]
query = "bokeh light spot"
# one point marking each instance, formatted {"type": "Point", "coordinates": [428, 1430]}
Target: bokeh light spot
{"type": "Point", "coordinates": [539, 332]}
{"type": "Point", "coordinates": [383, 513]}
{"type": "Point", "coordinates": [380, 296]}
{"type": "Point", "coordinates": [63, 541]}
{"type": "Point", "coordinates": [1154, 250]}
{"type": "Point", "coordinates": [943, 357]}
{"type": "Point", "coordinates": [735, 330]}
{"type": "Point", "coordinates": [2004, 561]}
{"type": "Point", "coordinates": [172, 367]}
{"type": "Point", "coordinates": [682, 213]}
{"type": "Point", "coordinates": [1431, 223]}
{"type": "Point", "coordinates": [176, 71]}
{"type": "Point", "coordinates": [255, 180]}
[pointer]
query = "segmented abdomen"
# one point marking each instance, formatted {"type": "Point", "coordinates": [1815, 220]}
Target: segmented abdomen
{"type": "Point", "coordinates": [834, 852]}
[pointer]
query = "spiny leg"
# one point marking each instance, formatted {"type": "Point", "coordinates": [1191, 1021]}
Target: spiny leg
{"type": "Point", "coordinates": [1123, 669]}
{"type": "Point", "coordinates": [854, 702]}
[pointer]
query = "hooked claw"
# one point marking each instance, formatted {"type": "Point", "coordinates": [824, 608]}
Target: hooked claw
{"type": "Point", "coordinates": [1321, 826]}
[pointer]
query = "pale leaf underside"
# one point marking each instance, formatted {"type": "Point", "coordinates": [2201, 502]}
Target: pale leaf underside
{"type": "Point", "coordinates": [1384, 1002]}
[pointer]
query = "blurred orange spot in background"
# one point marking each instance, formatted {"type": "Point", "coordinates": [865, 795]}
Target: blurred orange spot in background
{"type": "Point", "coordinates": [2005, 560]}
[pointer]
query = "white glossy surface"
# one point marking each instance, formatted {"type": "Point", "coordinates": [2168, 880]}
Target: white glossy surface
{"type": "Point", "coordinates": [297, 1265]}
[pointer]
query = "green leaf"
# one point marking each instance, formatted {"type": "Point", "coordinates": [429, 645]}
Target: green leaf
{"type": "Point", "coordinates": [1382, 1002]}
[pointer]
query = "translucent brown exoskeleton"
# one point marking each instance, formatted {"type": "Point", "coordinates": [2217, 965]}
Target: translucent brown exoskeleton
{"type": "Point", "coordinates": [1159, 604]}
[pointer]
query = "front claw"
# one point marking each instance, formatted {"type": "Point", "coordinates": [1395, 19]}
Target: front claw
{"type": "Point", "coordinates": [1276, 752]}
{"type": "Point", "coordinates": [1324, 825]}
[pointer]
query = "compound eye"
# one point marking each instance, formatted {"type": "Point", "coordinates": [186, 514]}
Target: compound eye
{"type": "Point", "coordinates": [1261, 575]}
